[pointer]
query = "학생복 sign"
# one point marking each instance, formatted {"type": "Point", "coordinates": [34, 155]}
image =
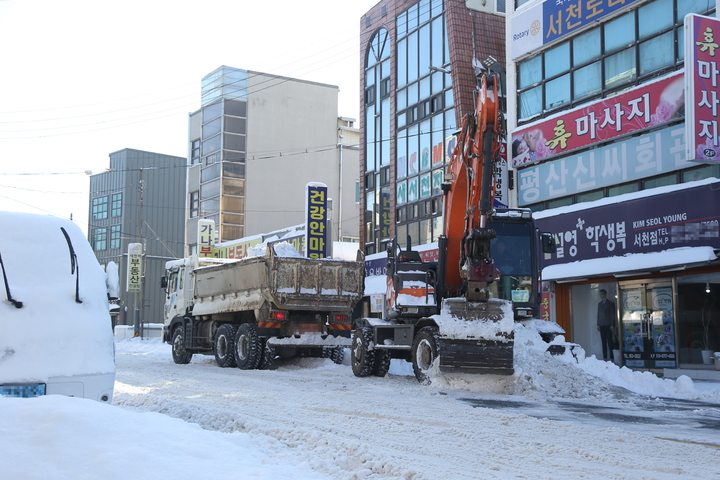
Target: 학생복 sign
{"type": "Point", "coordinates": [684, 218]}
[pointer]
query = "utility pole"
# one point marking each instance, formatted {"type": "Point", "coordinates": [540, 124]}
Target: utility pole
{"type": "Point", "coordinates": [139, 296]}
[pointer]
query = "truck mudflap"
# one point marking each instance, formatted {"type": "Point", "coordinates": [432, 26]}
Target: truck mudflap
{"type": "Point", "coordinates": [494, 357]}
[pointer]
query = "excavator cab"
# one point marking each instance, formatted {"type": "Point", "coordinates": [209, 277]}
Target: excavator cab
{"type": "Point", "coordinates": [410, 282]}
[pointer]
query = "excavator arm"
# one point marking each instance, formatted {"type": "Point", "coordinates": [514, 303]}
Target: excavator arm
{"type": "Point", "coordinates": [470, 191]}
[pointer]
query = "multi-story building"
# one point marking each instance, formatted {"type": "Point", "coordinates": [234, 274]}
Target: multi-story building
{"type": "Point", "coordinates": [255, 143]}
{"type": "Point", "coordinates": [599, 132]}
{"type": "Point", "coordinates": [417, 78]}
{"type": "Point", "coordinates": [139, 199]}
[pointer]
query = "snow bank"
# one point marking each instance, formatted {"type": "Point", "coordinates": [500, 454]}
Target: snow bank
{"type": "Point", "coordinates": [282, 249]}
{"type": "Point", "coordinates": [55, 435]}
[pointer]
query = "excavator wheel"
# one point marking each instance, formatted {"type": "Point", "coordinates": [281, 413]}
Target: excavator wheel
{"type": "Point", "coordinates": [382, 363]}
{"type": "Point", "coordinates": [362, 359]}
{"type": "Point", "coordinates": [424, 352]}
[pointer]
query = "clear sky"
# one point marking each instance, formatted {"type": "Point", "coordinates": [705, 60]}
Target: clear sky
{"type": "Point", "coordinates": [81, 79]}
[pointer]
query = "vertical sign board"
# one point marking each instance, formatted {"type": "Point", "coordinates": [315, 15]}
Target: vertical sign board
{"type": "Point", "coordinates": [701, 84]}
{"type": "Point", "coordinates": [134, 273]}
{"type": "Point", "coordinates": [316, 215]}
{"type": "Point", "coordinates": [206, 237]}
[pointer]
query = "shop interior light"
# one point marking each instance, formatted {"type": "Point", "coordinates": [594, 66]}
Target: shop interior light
{"type": "Point", "coordinates": [707, 288]}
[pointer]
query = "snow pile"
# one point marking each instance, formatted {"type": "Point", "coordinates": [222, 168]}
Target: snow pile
{"type": "Point", "coordinates": [452, 326]}
{"type": "Point", "coordinates": [282, 249]}
{"type": "Point", "coordinates": [541, 376]}
{"type": "Point", "coordinates": [63, 437]}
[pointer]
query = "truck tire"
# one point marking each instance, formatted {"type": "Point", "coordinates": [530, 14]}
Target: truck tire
{"type": "Point", "coordinates": [362, 360]}
{"type": "Point", "coordinates": [424, 352]}
{"type": "Point", "coordinates": [179, 354]}
{"type": "Point", "coordinates": [382, 363]}
{"type": "Point", "coordinates": [337, 355]}
{"type": "Point", "coordinates": [224, 345]}
{"type": "Point", "coordinates": [247, 347]}
{"type": "Point", "coordinates": [268, 356]}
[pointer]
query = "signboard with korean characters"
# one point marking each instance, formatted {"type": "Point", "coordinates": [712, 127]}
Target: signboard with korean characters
{"type": "Point", "coordinates": [552, 20]}
{"type": "Point", "coordinates": [702, 52]}
{"type": "Point", "coordinates": [134, 273]}
{"type": "Point", "coordinates": [206, 237]}
{"type": "Point", "coordinates": [316, 218]}
{"type": "Point", "coordinates": [684, 218]}
{"type": "Point", "coordinates": [660, 151]}
{"type": "Point", "coordinates": [650, 104]}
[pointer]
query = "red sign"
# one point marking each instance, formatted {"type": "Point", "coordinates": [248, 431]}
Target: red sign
{"type": "Point", "coordinates": [645, 106]}
{"type": "Point", "coordinates": [701, 83]}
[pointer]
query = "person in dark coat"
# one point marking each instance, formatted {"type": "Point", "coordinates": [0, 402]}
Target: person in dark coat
{"type": "Point", "coordinates": [606, 317]}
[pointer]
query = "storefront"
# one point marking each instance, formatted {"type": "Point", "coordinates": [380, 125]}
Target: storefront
{"type": "Point", "coordinates": [655, 253]}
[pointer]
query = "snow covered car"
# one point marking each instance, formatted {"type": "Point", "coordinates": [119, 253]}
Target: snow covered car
{"type": "Point", "coordinates": [55, 330]}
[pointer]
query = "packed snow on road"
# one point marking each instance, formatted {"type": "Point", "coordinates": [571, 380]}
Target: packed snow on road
{"type": "Point", "coordinates": [312, 419]}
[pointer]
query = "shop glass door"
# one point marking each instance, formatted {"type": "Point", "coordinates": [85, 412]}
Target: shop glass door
{"type": "Point", "coordinates": [647, 326]}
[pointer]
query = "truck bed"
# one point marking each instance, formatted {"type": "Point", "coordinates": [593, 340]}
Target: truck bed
{"type": "Point", "coordinates": [290, 283]}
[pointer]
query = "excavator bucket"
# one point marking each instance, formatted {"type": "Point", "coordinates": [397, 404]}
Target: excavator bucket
{"type": "Point", "coordinates": [476, 337]}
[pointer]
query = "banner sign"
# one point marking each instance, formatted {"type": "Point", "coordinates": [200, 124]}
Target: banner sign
{"type": "Point", "coordinates": [206, 237]}
{"type": "Point", "coordinates": [316, 216]}
{"type": "Point", "coordinates": [555, 19]}
{"type": "Point", "coordinates": [648, 155]}
{"type": "Point", "coordinates": [134, 272]}
{"type": "Point", "coordinates": [643, 107]}
{"type": "Point", "coordinates": [701, 54]}
{"type": "Point", "coordinates": [684, 218]}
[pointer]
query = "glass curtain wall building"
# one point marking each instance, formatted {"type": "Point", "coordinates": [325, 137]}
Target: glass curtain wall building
{"type": "Point", "coordinates": [220, 151]}
{"type": "Point", "coordinates": [416, 57]}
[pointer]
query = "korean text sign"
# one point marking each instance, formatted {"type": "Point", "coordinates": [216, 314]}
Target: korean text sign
{"type": "Point", "coordinates": [554, 19]}
{"type": "Point", "coordinates": [702, 52]}
{"type": "Point", "coordinates": [316, 230]}
{"type": "Point", "coordinates": [643, 107]}
{"type": "Point", "coordinates": [655, 153]}
{"type": "Point", "coordinates": [684, 218]}
{"type": "Point", "coordinates": [134, 273]}
{"type": "Point", "coordinates": [206, 237]}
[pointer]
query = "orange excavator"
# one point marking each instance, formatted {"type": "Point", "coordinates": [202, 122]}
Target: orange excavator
{"type": "Point", "coordinates": [462, 308]}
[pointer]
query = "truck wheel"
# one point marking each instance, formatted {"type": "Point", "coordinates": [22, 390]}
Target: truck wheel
{"type": "Point", "coordinates": [247, 347]}
{"type": "Point", "coordinates": [337, 355]}
{"type": "Point", "coordinates": [382, 363]}
{"type": "Point", "coordinates": [224, 345]}
{"type": "Point", "coordinates": [362, 359]}
{"type": "Point", "coordinates": [268, 356]}
{"type": "Point", "coordinates": [424, 353]}
{"type": "Point", "coordinates": [179, 354]}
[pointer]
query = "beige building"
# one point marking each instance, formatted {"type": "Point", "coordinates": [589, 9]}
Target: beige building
{"type": "Point", "coordinates": [255, 143]}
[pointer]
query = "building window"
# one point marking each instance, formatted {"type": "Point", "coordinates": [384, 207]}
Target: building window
{"type": "Point", "coordinates": [99, 208]}
{"type": "Point", "coordinates": [194, 204]}
{"type": "Point", "coordinates": [115, 236]}
{"type": "Point", "coordinates": [116, 206]}
{"type": "Point", "coordinates": [195, 152]}
{"type": "Point", "coordinates": [624, 52]}
{"type": "Point", "coordinates": [99, 239]}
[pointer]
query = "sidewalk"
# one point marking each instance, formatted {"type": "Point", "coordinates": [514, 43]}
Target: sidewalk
{"type": "Point", "coordinates": [696, 372]}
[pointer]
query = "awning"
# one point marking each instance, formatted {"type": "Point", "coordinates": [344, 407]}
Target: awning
{"type": "Point", "coordinates": [632, 264]}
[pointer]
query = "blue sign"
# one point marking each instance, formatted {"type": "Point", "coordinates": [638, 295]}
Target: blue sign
{"type": "Point", "coordinates": [551, 20]}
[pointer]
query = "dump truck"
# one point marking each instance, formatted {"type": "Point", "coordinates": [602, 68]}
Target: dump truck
{"type": "Point", "coordinates": [247, 311]}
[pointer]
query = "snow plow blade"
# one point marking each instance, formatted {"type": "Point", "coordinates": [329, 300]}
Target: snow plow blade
{"type": "Point", "coordinates": [476, 337]}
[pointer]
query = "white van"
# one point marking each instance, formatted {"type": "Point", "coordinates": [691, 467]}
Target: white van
{"type": "Point", "coordinates": [55, 329]}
